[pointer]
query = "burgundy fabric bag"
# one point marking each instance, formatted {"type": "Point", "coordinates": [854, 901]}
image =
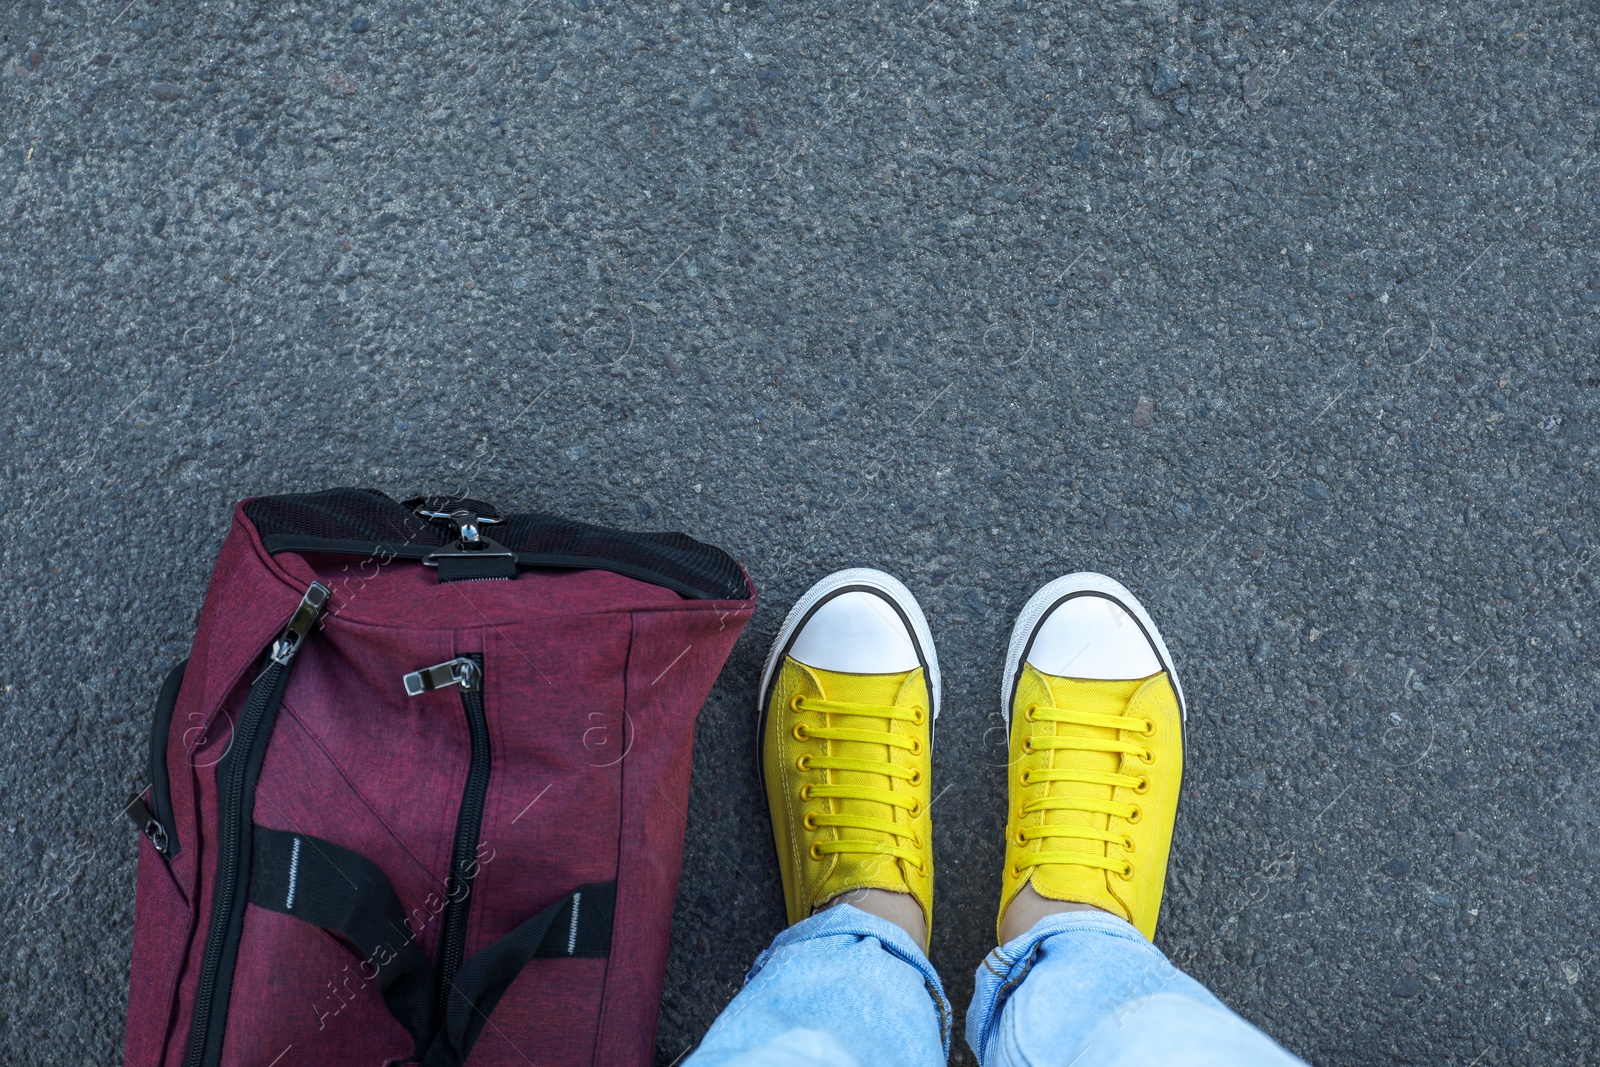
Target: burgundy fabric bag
{"type": "Point", "coordinates": [418, 793]}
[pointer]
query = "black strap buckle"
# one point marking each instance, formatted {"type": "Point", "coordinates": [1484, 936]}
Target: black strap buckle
{"type": "Point", "coordinates": [471, 555]}
{"type": "Point", "coordinates": [461, 562]}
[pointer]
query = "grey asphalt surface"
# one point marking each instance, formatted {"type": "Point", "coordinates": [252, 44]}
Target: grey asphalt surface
{"type": "Point", "coordinates": [1283, 314]}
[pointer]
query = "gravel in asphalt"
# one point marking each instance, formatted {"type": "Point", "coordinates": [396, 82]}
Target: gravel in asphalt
{"type": "Point", "coordinates": [1282, 314]}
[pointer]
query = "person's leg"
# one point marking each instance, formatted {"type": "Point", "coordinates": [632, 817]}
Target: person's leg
{"type": "Point", "coordinates": [1097, 731]}
{"type": "Point", "coordinates": [839, 989]}
{"type": "Point", "coordinates": [848, 697]}
{"type": "Point", "coordinates": [1086, 989]}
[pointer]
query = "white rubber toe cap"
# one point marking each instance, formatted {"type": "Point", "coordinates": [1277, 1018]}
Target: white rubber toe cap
{"type": "Point", "coordinates": [856, 633]}
{"type": "Point", "coordinates": [1092, 637]}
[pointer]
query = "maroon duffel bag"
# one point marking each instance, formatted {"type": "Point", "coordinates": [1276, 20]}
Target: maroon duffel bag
{"type": "Point", "coordinates": [418, 793]}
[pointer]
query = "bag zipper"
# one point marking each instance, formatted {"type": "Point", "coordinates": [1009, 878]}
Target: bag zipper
{"type": "Point", "coordinates": [236, 793]}
{"type": "Point", "coordinates": [155, 819]}
{"type": "Point", "coordinates": [466, 672]}
{"type": "Point", "coordinates": [149, 824]}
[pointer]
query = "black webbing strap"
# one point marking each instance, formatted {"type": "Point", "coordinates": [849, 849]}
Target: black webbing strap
{"type": "Point", "coordinates": [578, 924]}
{"type": "Point", "coordinates": [344, 892]}
{"type": "Point", "coordinates": [464, 567]}
{"type": "Point", "coordinates": [341, 891]}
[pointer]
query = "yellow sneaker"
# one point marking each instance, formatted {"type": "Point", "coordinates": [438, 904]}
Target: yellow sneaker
{"type": "Point", "coordinates": [1097, 720]}
{"type": "Point", "coordinates": [848, 698]}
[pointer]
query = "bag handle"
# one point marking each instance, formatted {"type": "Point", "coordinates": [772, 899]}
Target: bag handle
{"type": "Point", "coordinates": [347, 894]}
{"type": "Point", "coordinates": [577, 925]}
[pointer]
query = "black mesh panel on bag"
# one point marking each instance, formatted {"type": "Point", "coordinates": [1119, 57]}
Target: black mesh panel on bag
{"type": "Point", "coordinates": [693, 562]}
{"type": "Point", "coordinates": [367, 521]}
{"type": "Point", "coordinates": [342, 515]}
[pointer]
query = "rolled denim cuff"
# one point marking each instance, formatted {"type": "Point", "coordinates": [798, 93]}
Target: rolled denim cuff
{"type": "Point", "coordinates": [1005, 967]}
{"type": "Point", "coordinates": [843, 920]}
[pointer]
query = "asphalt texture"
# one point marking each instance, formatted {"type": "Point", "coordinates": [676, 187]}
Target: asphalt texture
{"type": "Point", "coordinates": [1283, 314]}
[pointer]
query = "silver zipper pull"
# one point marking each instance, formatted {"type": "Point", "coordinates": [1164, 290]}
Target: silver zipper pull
{"type": "Point", "coordinates": [147, 823]}
{"type": "Point", "coordinates": [461, 671]}
{"type": "Point", "coordinates": [311, 605]}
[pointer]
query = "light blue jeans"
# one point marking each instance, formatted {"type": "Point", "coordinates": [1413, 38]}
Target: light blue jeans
{"type": "Point", "coordinates": [846, 989]}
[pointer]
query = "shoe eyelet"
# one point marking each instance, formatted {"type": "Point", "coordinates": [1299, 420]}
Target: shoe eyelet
{"type": "Point", "coordinates": [1147, 757]}
{"type": "Point", "coordinates": [800, 733]}
{"type": "Point", "coordinates": [1026, 778]}
{"type": "Point", "coordinates": [916, 777]}
{"type": "Point", "coordinates": [1144, 785]}
{"type": "Point", "coordinates": [916, 746]}
{"type": "Point", "coordinates": [1028, 713]}
{"type": "Point", "coordinates": [1126, 874]}
{"type": "Point", "coordinates": [918, 716]}
{"type": "Point", "coordinates": [1019, 840]}
{"type": "Point", "coordinates": [804, 762]}
{"type": "Point", "coordinates": [1135, 816]}
{"type": "Point", "coordinates": [1149, 728]}
{"type": "Point", "coordinates": [1016, 872]}
{"type": "Point", "coordinates": [797, 702]}
{"type": "Point", "coordinates": [915, 811]}
{"type": "Point", "coordinates": [815, 852]}
{"type": "Point", "coordinates": [810, 820]}
{"type": "Point", "coordinates": [1127, 843]}
{"type": "Point", "coordinates": [1027, 745]}
{"type": "Point", "coordinates": [916, 840]}
{"type": "Point", "coordinates": [805, 792]}
{"type": "Point", "coordinates": [922, 870]}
